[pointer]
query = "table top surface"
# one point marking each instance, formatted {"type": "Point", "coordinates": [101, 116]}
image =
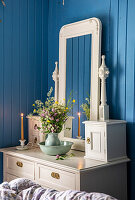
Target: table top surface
{"type": "Point", "coordinates": [77, 162]}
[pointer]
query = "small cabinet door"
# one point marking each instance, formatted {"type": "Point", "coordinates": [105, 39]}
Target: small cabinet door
{"type": "Point", "coordinates": [95, 142]}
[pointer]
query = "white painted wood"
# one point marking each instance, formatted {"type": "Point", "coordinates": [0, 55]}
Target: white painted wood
{"type": "Point", "coordinates": [26, 170]}
{"type": "Point", "coordinates": [90, 26]}
{"type": "Point", "coordinates": [95, 148]}
{"type": "Point", "coordinates": [55, 77]}
{"type": "Point", "coordinates": [75, 173]}
{"type": "Point", "coordinates": [73, 164]}
{"type": "Point", "coordinates": [44, 177]}
{"type": "Point", "coordinates": [110, 180]}
{"type": "Point", "coordinates": [105, 141]}
{"type": "Point", "coordinates": [103, 108]}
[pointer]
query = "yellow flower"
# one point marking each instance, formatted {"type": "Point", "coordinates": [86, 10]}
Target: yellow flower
{"type": "Point", "coordinates": [66, 108]}
{"type": "Point", "coordinates": [73, 100]}
{"type": "Point", "coordinates": [48, 121]}
{"type": "Point", "coordinates": [63, 99]}
{"type": "Point", "coordinates": [34, 110]}
{"type": "Point", "coordinates": [33, 105]}
{"type": "Point", "coordinates": [56, 102]}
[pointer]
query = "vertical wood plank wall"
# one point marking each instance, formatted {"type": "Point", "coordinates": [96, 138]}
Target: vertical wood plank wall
{"type": "Point", "coordinates": [23, 64]}
{"type": "Point", "coordinates": [118, 44]}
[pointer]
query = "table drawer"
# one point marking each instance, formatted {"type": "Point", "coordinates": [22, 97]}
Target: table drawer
{"type": "Point", "coordinates": [19, 167]}
{"type": "Point", "coordinates": [55, 178]}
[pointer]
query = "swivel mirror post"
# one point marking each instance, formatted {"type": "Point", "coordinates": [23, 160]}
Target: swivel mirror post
{"type": "Point", "coordinates": [103, 108]}
{"type": "Point", "coordinates": [55, 77]}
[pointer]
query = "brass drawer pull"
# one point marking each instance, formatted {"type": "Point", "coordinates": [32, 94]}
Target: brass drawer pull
{"type": "Point", "coordinates": [88, 140]}
{"type": "Point", "coordinates": [55, 175]}
{"type": "Point", "coordinates": [19, 164]}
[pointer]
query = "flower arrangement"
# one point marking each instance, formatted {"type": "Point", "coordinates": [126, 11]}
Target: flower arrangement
{"type": "Point", "coordinates": [52, 114]}
{"type": "Point", "coordinates": [86, 108]}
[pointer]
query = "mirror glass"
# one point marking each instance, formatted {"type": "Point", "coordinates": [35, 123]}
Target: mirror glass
{"type": "Point", "coordinates": [78, 78]}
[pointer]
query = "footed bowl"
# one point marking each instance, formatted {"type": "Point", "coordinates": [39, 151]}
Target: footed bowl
{"type": "Point", "coordinates": [63, 148]}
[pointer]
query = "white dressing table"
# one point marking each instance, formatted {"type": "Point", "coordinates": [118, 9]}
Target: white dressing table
{"type": "Point", "coordinates": [105, 141]}
{"type": "Point", "coordinates": [75, 173]}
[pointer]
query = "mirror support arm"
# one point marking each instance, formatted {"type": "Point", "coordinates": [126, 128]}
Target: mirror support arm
{"type": "Point", "coordinates": [55, 77]}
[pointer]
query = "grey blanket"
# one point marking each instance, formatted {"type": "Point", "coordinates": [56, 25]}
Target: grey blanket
{"type": "Point", "coordinates": [24, 189]}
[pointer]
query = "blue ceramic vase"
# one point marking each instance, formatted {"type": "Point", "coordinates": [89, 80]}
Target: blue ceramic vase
{"type": "Point", "coordinates": [52, 139]}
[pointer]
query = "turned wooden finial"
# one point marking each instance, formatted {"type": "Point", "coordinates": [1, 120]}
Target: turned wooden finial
{"type": "Point", "coordinates": [103, 70]}
{"type": "Point", "coordinates": [103, 58]}
{"type": "Point", "coordinates": [103, 108]}
{"type": "Point", "coordinates": [55, 77]}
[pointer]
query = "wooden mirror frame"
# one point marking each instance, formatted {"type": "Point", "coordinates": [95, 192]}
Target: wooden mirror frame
{"type": "Point", "coordinates": [91, 26]}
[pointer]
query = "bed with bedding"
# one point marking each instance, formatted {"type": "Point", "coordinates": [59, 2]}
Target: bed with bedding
{"type": "Point", "coordinates": [25, 189]}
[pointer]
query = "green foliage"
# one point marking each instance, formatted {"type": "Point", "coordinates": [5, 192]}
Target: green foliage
{"type": "Point", "coordinates": [86, 108]}
{"type": "Point", "coordinates": [63, 157]}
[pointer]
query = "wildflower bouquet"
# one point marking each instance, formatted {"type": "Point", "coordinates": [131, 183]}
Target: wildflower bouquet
{"type": "Point", "coordinates": [52, 113]}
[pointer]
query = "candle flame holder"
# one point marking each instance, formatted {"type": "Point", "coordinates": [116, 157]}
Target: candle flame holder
{"type": "Point", "coordinates": [79, 137]}
{"type": "Point", "coordinates": [22, 145]}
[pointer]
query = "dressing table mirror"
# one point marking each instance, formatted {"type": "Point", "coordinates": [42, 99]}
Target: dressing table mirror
{"type": "Point", "coordinates": [79, 61]}
{"type": "Point", "coordinates": [78, 81]}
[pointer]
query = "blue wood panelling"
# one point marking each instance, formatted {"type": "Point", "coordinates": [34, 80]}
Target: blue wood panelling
{"type": "Point", "coordinates": [15, 72]}
{"type": "Point", "coordinates": [1, 80]}
{"type": "Point", "coordinates": [23, 64]}
{"type": "Point", "coordinates": [130, 61]}
{"type": "Point", "coordinates": [23, 59]}
{"type": "Point", "coordinates": [75, 84]}
{"type": "Point", "coordinates": [82, 96]}
{"type": "Point", "coordinates": [118, 43]}
{"type": "Point", "coordinates": [7, 74]}
{"type": "Point", "coordinates": [78, 76]}
{"type": "Point", "coordinates": [44, 71]}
